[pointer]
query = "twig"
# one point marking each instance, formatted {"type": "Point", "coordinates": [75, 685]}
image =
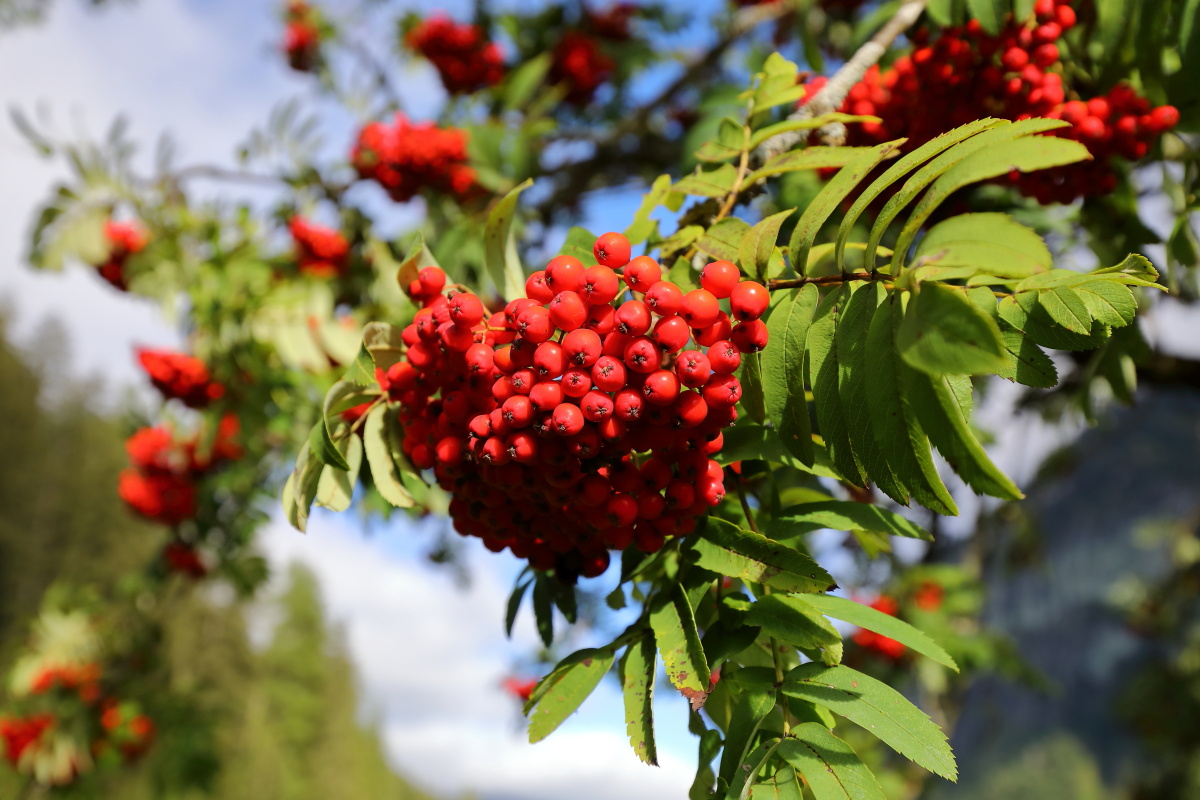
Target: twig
{"type": "Point", "coordinates": [834, 93]}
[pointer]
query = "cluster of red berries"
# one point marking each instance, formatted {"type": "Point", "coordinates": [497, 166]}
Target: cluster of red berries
{"type": "Point", "coordinates": [612, 23]}
{"type": "Point", "coordinates": [129, 731]}
{"type": "Point", "coordinates": [179, 376]}
{"type": "Point", "coordinates": [184, 559]}
{"type": "Point", "coordinates": [966, 74]}
{"type": "Point", "coordinates": [578, 63]}
{"type": "Point", "coordinates": [878, 643]}
{"type": "Point", "coordinates": [21, 733]}
{"type": "Point", "coordinates": [320, 251]}
{"type": "Point", "coordinates": [577, 420]}
{"type": "Point", "coordinates": [462, 55]}
{"type": "Point", "coordinates": [83, 679]}
{"type": "Point", "coordinates": [406, 157]}
{"type": "Point", "coordinates": [124, 239]}
{"type": "Point", "coordinates": [928, 596]}
{"type": "Point", "coordinates": [161, 484]}
{"type": "Point", "coordinates": [520, 688]}
{"type": "Point", "coordinates": [301, 37]}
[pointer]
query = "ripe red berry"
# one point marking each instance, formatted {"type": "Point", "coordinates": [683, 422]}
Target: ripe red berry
{"type": "Point", "coordinates": [564, 274]}
{"type": "Point", "coordinates": [549, 361]}
{"type": "Point", "coordinates": [699, 308]}
{"type": "Point", "coordinates": [671, 333]}
{"type": "Point", "coordinates": [597, 406]}
{"type": "Point", "coordinates": [749, 300]}
{"type": "Point", "coordinates": [650, 505]}
{"type": "Point", "coordinates": [612, 250]}
{"type": "Point", "coordinates": [601, 319]}
{"type": "Point", "coordinates": [582, 347]}
{"type": "Point", "coordinates": [568, 311]}
{"type": "Point", "coordinates": [517, 411]}
{"type": "Point", "coordinates": [466, 309]}
{"type": "Point", "coordinates": [522, 447]}
{"type": "Point", "coordinates": [600, 285]}
{"type": "Point", "coordinates": [722, 391]}
{"type": "Point", "coordinates": [628, 405]}
{"type": "Point", "coordinates": [714, 333]}
{"type": "Point", "coordinates": [750, 336]}
{"type": "Point", "coordinates": [432, 280]}
{"type": "Point", "coordinates": [594, 490]}
{"type": "Point", "coordinates": [724, 357]}
{"type": "Point", "coordinates": [608, 374]}
{"type": "Point", "coordinates": [641, 273]}
{"type": "Point", "coordinates": [720, 277]}
{"type": "Point", "coordinates": [693, 368]}
{"type": "Point", "coordinates": [534, 325]}
{"type": "Point", "coordinates": [546, 395]}
{"type": "Point", "coordinates": [576, 382]}
{"type": "Point", "coordinates": [689, 410]}
{"type": "Point", "coordinates": [633, 318]}
{"type": "Point", "coordinates": [621, 509]}
{"type": "Point", "coordinates": [567, 420]}
{"type": "Point", "coordinates": [642, 355]}
{"type": "Point", "coordinates": [1015, 59]}
{"type": "Point", "coordinates": [661, 387]}
{"type": "Point", "coordinates": [664, 298]}
{"type": "Point", "coordinates": [536, 288]}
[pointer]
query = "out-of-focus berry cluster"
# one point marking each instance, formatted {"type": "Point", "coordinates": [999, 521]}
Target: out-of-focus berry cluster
{"type": "Point", "coordinates": [405, 158]}
{"type": "Point", "coordinates": [463, 56]}
{"type": "Point", "coordinates": [320, 251]}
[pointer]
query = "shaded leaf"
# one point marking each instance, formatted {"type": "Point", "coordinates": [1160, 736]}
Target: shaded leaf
{"type": "Point", "coordinates": [561, 692]}
{"type": "Point", "coordinates": [754, 252]}
{"type": "Point", "coordinates": [783, 368]}
{"type": "Point", "coordinates": [830, 766]}
{"type": "Point", "coordinates": [821, 357]}
{"type": "Point", "coordinates": [637, 681]}
{"type": "Point", "coordinates": [500, 245]}
{"type": "Point", "coordinates": [385, 472]}
{"type": "Point", "coordinates": [729, 550]}
{"type": "Point", "coordinates": [943, 333]}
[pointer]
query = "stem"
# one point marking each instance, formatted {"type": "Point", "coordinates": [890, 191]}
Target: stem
{"type": "Point", "coordinates": [834, 94]}
{"type": "Point", "coordinates": [825, 280]}
{"type": "Point", "coordinates": [746, 506]}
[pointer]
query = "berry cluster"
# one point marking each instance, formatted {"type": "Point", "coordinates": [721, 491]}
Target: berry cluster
{"type": "Point", "coordinates": [612, 23]}
{"type": "Point", "coordinates": [580, 65]}
{"type": "Point", "coordinates": [520, 688]}
{"type": "Point", "coordinates": [125, 728]}
{"type": "Point", "coordinates": [179, 376]}
{"type": "Point", "coordinates": [182, 558]}
{"type": "Point", "coordinates": [124, 239]}
{"type": "Point", "coordinates": [83, 679]}
{"type": "Point", "coordinates": [878, 643]}
{"type": "Point", "coordinates": [161, 484]}
{"type": "Point", "coordinates": [301, 37]}
{"type": "Point", "coordinates": [928, 596]}
{"type": "Point", "coordinates": [320, 251]}
{"type": "Point", "coordinates": [577, 419]}
{"type": "Point", "coordinates": [463, 57]}
{"type": "Point", "coordinates": [22, 733]}
{"type": "Point", "coordinates": [965, 74]}
{"type": "Point", "coordinates": [405, 158]}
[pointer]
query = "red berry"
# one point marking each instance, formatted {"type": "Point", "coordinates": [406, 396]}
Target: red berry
{"type": "Point", "coordinates": [576, 382]}
{"type": "Point", "coordinates": [549, 361]}
{"type": "Point", "coordinates": [567, 420]}
{"type": "Point", "coordinates": [1164, 118]}
{"type": "Point", "coordinates": [628, 405]}
{"type": "Point", "coordinates": [642, 355]}
{"type": "Point", "coordinates": [1015, 59]}
{"type": "Point", "coordinates": [534, 325]}
{"type": "Point", "coordinates": [600, 285]}
{"type": "Point", "coordinates": [601, 319]}
{"type": "Point", "coordinates": [612, 250]}
{"type": "Point", "coordinates": [517, 411]}
{"type": "Point", "coordinates": [568, 311]}
{"type": "Point", "coordinates": [597, 406]}
{"type": "Point", "coordinates": [749, 300]}
{"type": "Point", "coordinates": [750, 336]}
{"type": "Point", "coordinates": [582, 347]}
{"type": "Point", "coordinates": [671, 333]}
{"type": "Point", "coordinates": [608, 374]}
{"type": "Point", "coordinates": [720, 277]}
{"type": "Point", "coordinates": [664, 298]}
{"type": "Point", "coordinates": [564, 274]}
{"type": "Point", "coordinates": [699, 308]}
{"type": "Point", "coordinates": [466, 309]}
{"type": "Point", "coordinates": [536, 288]}
{"type": "Point", "coordinates": [689, 410]}
{"type": "Point", "coordinates": [633, 318]}
{"type": "Point", "coordinates": [722, 391]}
{"type": "Point", "coordinates": [693, 368]}
{"type": "Point", "coordinates": [642, 272]}
{"type": "Point", "coordinates": [546, 395]}
{"type": "Point", "coordinates": [716, 332]}
{"type": "Point", "coordinates": [621, 509]}
{"type": "Point", "coordinates": [432, 280]}
{"type": "Point", "coordinates": [661, 387]}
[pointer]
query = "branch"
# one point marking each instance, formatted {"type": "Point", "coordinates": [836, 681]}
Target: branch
{"type": "Point", "coordinates": [831, 97]}
{"type": "Point", "coordinates": [825, 280]}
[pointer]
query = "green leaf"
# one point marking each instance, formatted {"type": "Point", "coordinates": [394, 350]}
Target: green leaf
{"type": "Point", "coordinates": [852, 378]}
{"type": "Point", "coordinates": [751, 377]}
{"type": "Point", "coordinates": [751, 704]}
{"type": "Point", "coordinates": [674, 626]}
{"type": "Point", "coordinates": [842, 515]}
{"type": "Point", "coordinates": [702, 786]}
{"type": "Point", "coordinates": [514, 605]}
{"type": "Point", "coordinates": [543, 608]}
{"type": "Point", "coordinates": [944, 12]}
{"type": "Point", "coordinates": [754, 251]}
{"type": "Point", "coordinates": [1066, 308]}
{"type": "Point", "coordinates": [418, 257]}
{"type": "Point", "coordinates": [866, 617]}
{"type": "Point", "coordinates": [783, 785]}
{"type": "Point", "coordinates": [729, 143]}
{"type": "Point", "coordinates": [729, 550]}
{"type": "Point", "coordinates": [808, 124]}
{"type": "Point", "coordinates": [500, 245]}
{"type": "Point", "coordinates": [789, 619]}
{"type": "Point", "coordinates": [579, 243]}
{"type": "Point", "coordinates": [1109, 303]}
{"type": "Point", "coordinates": [301, 487]}
{"type": "Point", "coordinates": [808, 158]}
{"type": "Point", "coordinates": [783, 368]}
{"type": "Point", "coordinates": [682, 273]}
{"type": "Point", "coordinates": [335, 489]}
{"type": "Point", "coordinates": [992, 243]}
{"type": "Point", "coordinates": [893, 418]}
{"type": "Point", "coordinates": [1135, 270]}
{"type": "Point", "coordinates": [830, 197]}
{"type": "Point", "coordinates": [680, 239]}
{"type": "Point", "coordinates": [561, 692]}
{"type": "Point", "coordinates": [723, 240]}
{"type": "Point", "coordinates": [942, 417]}
{"type": "Point", "coordinates": [637, 681]}
{"type": "Point", "coordinates": [642, 226]}
{"type": "Point", "coordinates": [385, 472]}
{"type": "Point", "coordinates": [361, 371]}
{"type": "Point", "coordinates": [1023, 312]}
{"type": "Point", "coordinates": [321, 445]}
{"type": "Point", "coordinates": [384, 343]}
{"type": "Point", "coordinates": [997, 132]}
{"type": "Point", "coordinates": [1026, 154]}
{"type": "Point", "coordinates": [831, 767]}
{"type": "Point", "coordinates": [877, 707]}
{"type": "Point", "coordinates": [749, 441]}
{"type": "Point", "coordinates": [524, 81]}
{"type": "Point", "coordinates": [1026, 363]}
{"type": "Point", "coordinates": [821, 356]}
{"type": "Point", "coordinates": [896, 171]}
{"type": "Point", "coordinates": [943, 333]}
{"type": "Point", "coordinates": [343, 396]}
{"type": "Point", "coordinates": [708, 183]}
{"type": "Point", "coordinates": [990, 13]}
